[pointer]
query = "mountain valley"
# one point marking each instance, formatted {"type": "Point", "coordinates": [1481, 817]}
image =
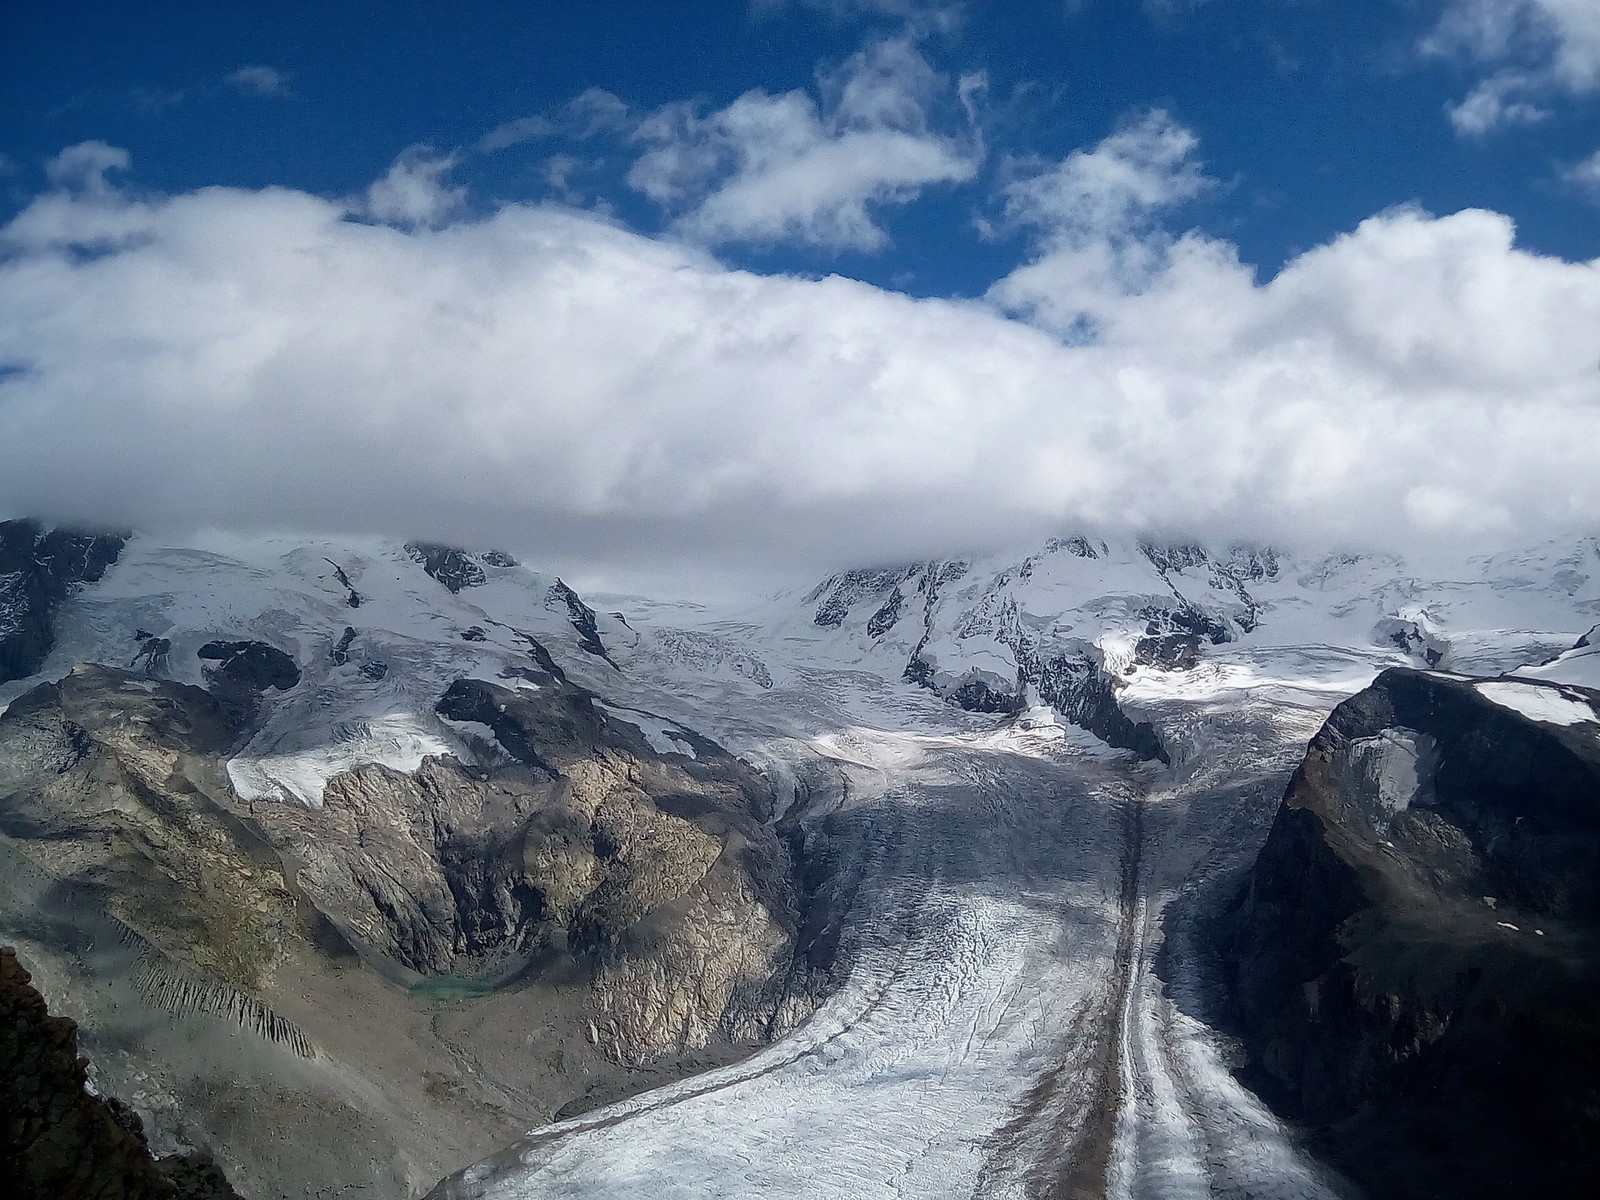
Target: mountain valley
{"type": "Point", "coordinates": [382, 869]}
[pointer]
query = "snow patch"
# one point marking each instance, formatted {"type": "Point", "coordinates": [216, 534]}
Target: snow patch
{"type": "Point", "coordinates": [270, 772]}
{"type": "Point", "coordinates": [1393, 765]}
{"type": "Point", "coordinates": [476, 728]}
{"type": "Point", "coordinates": [1552, 705]}
{"type": "Point", "coordinates": [664, 737]}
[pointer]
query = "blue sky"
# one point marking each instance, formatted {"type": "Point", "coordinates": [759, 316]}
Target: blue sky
{"type": "Point", "coordinates": [805, 281]}
{"type": "Point", "coordinates": [1310, 114]}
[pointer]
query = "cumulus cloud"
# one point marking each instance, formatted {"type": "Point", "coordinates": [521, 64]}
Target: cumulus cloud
{"type": "Point", "coordinates": [1540, 49]}
{"type": "Point", "coordinates": [789, 167]}
{"type": "Point", "coordinates": [85, 165]}
{"type": "Point", "coordinates": [259, 81]}
{"type": "Point", "coordinates": [539, 378]}
{"type": "Point", "coordinates": [1497, 102]}
{"type": "Point", "coordinates": [1096, 215]}
{"type": "Point", "coordinates": [413, 191]}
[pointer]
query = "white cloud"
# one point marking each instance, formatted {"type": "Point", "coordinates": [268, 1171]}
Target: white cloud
{"type": "Point", "coordinates": [1096, 213]}
{"type": "Point", "coordinates": [1585, 176]}
{"type": "Point", "coordinates": [550, 381]}
{"type": "Point", "coordinates": [85, 165]}
{"type": "Point", "coordinates": [412, 192]}
{"type": "Point", "coordinates": [771, 168]}
{"type": "Point", "coordinates": [259, 81]}
{"type": "Point", "coordinates": [588, 114]}
{"type": "Point", "coordinates": [514, 133]}
{"type": "Point", "coordinates": [1542, 50]}
{"type": "Point", "coordinates": [1496, 103]}
{"type": "Point", "coordinates": [1144, 167]}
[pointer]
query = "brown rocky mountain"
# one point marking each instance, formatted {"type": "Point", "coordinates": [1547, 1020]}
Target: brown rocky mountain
{"type": "Point", "coordinates": [1417, 954]}
{"type": "Point", "coordinates": [621, 914]}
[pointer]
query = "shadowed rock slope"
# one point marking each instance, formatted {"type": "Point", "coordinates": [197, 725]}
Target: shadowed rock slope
{"type": "Point", "coordinates": [1416, 956]}
{"type": "Point", "coordinates": [37, 570]}
{"type": "Point", "coordinates": [57, 1140]}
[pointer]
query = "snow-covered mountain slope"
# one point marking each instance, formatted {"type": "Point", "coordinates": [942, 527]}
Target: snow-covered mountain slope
{"type": "Point", "coordinates": [374, 636]}
{"type": "Point", "coordinates": [1100, 630]}
{"type": "Point", "coordinates": [1086, 625]}
{"type": "Point", "coordinates": [994, 884]}
{"type": "Point", "coordinates": [1580, 665]}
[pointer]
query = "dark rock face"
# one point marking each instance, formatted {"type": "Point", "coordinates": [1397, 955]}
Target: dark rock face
{"type": "Point", "coordinates": [340, 654]}
{"type": "Point", "coordinates": [252, 666]}
{"type": "Point", "coordinates": [1416, 955]}
{"type": "Point", "coordinates": [839, 593]}
{"type": "Point", "coordinates": [37, 569]}
{"type": "Point", "coordinates": [454, 568]}
{"type": "Point", "coordinates": [888, 613]}
{"type": "Point", "coordinates": [352, 597]}
{"type": "Point", "coordinates": [1173, 634]}
{"type": "Point", "coordinates": [57, 1140]}
{"type": "Point", "coordinates": [1073, 680]}
{"type": "Point", "coordinates": [582, 618]}
{"type": "Point", "coordinates": [153, 653]}
{"type": "Point", "coordinates": [1082, 691]}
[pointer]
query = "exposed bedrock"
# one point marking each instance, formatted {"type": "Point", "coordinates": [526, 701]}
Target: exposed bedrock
{"type": "Point", "coordinates": [37, 570]}
{"type": "Point", "coordinates": [58, 1140]}
{"type": "Point", "coordinates": [578, 849]}
{"type": "Point", "coordinates": [454, 567]}
{"type": "Point", "coordinates": [251, 666]}
{"type": "Point", "coordinates": [1416, 955]}
{"type": "Point", "coordinates": [582, 617]}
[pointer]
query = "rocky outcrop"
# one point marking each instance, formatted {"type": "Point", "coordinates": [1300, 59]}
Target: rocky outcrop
{"type": "Point", "coordinates": [37, 570]}
{"type": "Point", "coordinates": [352, 597]}
{"type": "Point", "coordinates": [111, 782]}
{"type": "Point", "coordinates": [1082, 691]}
{"type": "Point", "coordinates": [582, 617]}
{"type": "Point", "coordinates": [588, 848]}
{"type": "Point", "coordinates": [1416, 955]}
{"type": "Point", "coordinates": [251, 666]}
{"type": "Point", "coordinates": [57, 1139]}
{"type": "Point", "coordinates": [452, 566]}
{"type": "Point", "coordinates": [571, 846]}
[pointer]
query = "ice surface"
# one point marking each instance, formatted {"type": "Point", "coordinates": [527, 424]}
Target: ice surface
{"type": "Point", "coordinates": [1548, 704]}
{"type": "Point", "coordinates": [299, 762]}
{"type": "Point", "coordinates": [664, 737]}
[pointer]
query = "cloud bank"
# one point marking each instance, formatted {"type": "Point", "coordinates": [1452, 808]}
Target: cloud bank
{"type": "Point", "coordinates": [545, 380]}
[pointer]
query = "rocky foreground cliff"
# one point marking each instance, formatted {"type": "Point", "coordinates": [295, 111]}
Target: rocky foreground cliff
{"type": "Point", "coordinates": [57, 1138]}
{"type": "Point", "coordinates": [1416, 957]}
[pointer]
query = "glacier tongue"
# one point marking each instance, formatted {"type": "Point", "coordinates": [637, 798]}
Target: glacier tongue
{"type": "Point", "coordinates": [1013, 899]}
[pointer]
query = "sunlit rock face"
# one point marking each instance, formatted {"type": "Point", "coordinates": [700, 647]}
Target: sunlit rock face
{"type": "Point", "coordinates": [294, 835]}
{"type": "Point", "coordinates": [1417, 952]}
